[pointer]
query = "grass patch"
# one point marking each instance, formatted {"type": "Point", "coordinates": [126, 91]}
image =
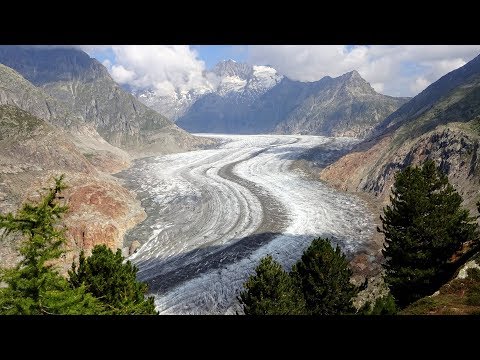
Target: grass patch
{"type": "Point", "coordinates": [457, 297]}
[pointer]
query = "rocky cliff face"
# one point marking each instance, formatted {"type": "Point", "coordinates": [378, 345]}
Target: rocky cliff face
{"type": "Point", "coordinates": [442, 123]}
{"type": "Point", "coordinates": [85, 87]}
{"type": "Point", "coordinates": [249, 103]}
{"type": "Point", "coordinates": [32, 153]}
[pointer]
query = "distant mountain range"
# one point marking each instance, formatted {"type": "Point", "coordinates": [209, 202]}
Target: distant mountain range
{"type": "Point", "coordinates": [247, 99]}
{"type": "Point", "coordinates": [232, 82]}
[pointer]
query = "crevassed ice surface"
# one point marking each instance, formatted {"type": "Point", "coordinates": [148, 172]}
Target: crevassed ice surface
{"type": "Point", "coordinates": [212, 214]}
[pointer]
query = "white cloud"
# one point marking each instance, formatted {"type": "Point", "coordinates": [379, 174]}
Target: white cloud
{"type": "Point", "coordinates": [163, 68]}
{"type": "Point", "coordinates": [420, 84]}
{"type": "Point", "coordinates": [397, 70]}
{"type": "Point", "coordinates": [122, 75]}
{"type": "Point", "coordinates": [378, 87]}
{"type": "Point", "coordinates": [107, 63]}
{"type": "Point", "coordinates": [442, 67]}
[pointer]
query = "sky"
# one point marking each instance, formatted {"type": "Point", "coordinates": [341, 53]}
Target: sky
{"type": "Point", "coordinates": [396, 70]}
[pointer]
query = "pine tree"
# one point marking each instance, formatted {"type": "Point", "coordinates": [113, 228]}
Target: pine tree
{"type": "Point", "coordinates": [384, 305]}
{"type": "Point", "coordinates": [271, 291]}
{"type": "Point", "coordinates": [113, 282]}
{"type": "Point", "coordinates": [34, 286]}
{"type": "Point", "coordinates": [324, 275]}
{"type": "Point", "coordinates": [424, 227]}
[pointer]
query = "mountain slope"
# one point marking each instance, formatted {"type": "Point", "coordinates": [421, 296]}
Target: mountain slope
{"type": "Point", "coordinates": [346, 106]}
{"type": "Point", "coordinates": [86, 88]}
{"type": "Point", "coordinates": [342, 106]}
{"type": "Point", "coordinates": [32, 152]}
{"type": "Point", "coordinates": [431, 95]}
{"type": "Point", "coordinates": [17, 91]}
{"type": "Point", "coordinates": [441, 123]}
{"type": "Point", "coordinates": [30, 143]}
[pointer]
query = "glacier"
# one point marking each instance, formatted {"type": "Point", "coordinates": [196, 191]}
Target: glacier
{"type": "Point", "coordinates": [212, 214]}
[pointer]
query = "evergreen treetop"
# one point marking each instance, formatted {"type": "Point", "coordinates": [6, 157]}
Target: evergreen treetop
{"type": "Point", "coordinates": [323, 274]}
{"type": "Point", "coordinates": [271, 291]}
{"type": "Point", "coordinates": [112, 281]}
{"type": "Point", "coordinates": [34, 286]}
{"type": "Point", "coordinates": [424, 227]}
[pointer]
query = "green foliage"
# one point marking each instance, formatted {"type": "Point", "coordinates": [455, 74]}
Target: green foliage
{"type": "Point", "coordinates": [384, 305]}
{"type": "Point", "coordinates": [424, 227]}
{"type": "Point", "coordinates": [113, 282]}
{"type": "Point", "coordinates": [101, 285]}
{"type": "Point", "coordinates": [271, 291]}
{"type": "Point", "coordinates": [323, 275]}
{"type": "Point", "coordinates": [319, 284]}
{"type": "Point", "coordinates": [473, 295]}
{"type": "Point", "coordinates": [458, 296]}
{"type": "Point", "coordinates": [34, 286]}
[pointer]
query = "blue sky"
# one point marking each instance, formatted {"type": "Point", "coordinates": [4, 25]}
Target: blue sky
{"type": "Point", "coordinates": [102, 54]}
{"type": "Point", "coordinates": [397, 70]}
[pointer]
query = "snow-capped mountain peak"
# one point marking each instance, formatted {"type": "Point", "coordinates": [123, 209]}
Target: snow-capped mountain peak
{"type": "Point", "coordinates": [227, 78]}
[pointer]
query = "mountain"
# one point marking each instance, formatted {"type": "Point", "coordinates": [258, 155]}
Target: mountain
{"type": "Point", "coordinates": [343, 106]}
{"type": "Point", "coordinates": [430, 96]}
{"type": "Point", "coordinates": [255, 99]}
{"type": "Point", "coordinates": [16, 90]}
{"type": "Point", "coordinates": [228, 86]}
{"type": "Point", "coordinates": [244, 81]}
{"type": "Point", "coordinates": [57, 111]}
{"type": "Point", "coordinates": [228, 89]}
{"type": "Point", "coordinates": [87, 90]}
{"type": "Point", "coordinates": [29, 143]}
{"type": "Point", "coordinates": [174, 104]}
{"type": "Point", "coordinates": [32, 152]}
{"type": "Point", "coordinates": [441, 123]}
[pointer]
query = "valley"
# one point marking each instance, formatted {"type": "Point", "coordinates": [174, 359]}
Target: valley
{"type": "Point", "coordinates": [212, 214]}
{"type": "Point", "coordinates": [195, 168]}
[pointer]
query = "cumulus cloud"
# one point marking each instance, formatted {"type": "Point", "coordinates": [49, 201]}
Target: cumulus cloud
{"type": "Point", "coordinates": [122, 75]}
{"type": "Point", "coordinates": [163, 68]}
{"type": "Point", "coordinates": [107, 63]}
{"type": "Point", "coordinates": [420, 84]}
{"type": "Point", "coordinates": [433, 70]}
{"type": "Point", "coordinates": [399, 70]}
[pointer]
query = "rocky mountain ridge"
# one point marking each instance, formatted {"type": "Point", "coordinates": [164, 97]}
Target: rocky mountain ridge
{"type": "Point", "coordinates": [250, 99]}
{"type": "Point", "coordinates": [84, 86]}
{"type": "Point", "coordinates": [230, 81]}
